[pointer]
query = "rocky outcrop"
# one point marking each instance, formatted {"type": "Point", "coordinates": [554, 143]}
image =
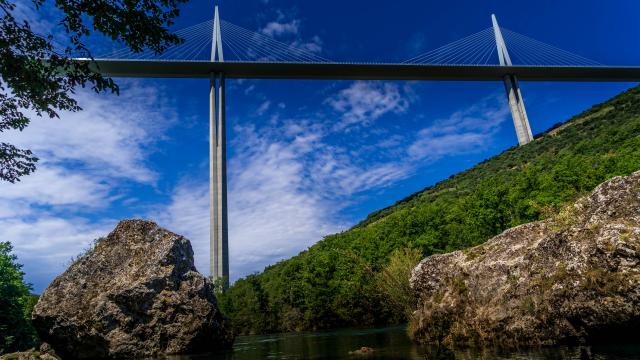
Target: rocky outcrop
{"type": "Point", "coordinates": [45, 352]}
{"type": "Point", "coordinates": [135, 294]}
{"type": "Point", "coordinates": [571, 279]}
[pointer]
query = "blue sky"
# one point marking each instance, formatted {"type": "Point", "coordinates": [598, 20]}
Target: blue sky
{"type": "Point", "coordinates": [306, 158]}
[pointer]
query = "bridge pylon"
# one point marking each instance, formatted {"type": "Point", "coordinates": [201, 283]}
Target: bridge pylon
{"type": "Point", "coordinates": [218, 223]}
{"type": "Point", "coordinates": [514, 95]}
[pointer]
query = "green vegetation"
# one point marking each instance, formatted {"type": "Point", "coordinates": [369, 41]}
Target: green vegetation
{"type": "Point", "coordinates": [16, 303]}
{"type": "Point", "coordinates": [335, 283]}
{"type": "Point", "coordinates": [393, 281]}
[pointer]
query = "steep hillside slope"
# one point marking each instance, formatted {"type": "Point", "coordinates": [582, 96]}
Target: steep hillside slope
{"type": "Point", "coordinates": [333, 283]}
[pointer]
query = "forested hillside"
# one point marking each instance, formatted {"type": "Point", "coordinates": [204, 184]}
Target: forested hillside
{"type": "Point", "coordinates": [333, 283]}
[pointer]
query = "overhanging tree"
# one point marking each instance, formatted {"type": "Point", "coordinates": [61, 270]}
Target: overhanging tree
{"type": "Point", "coordinates": [40, 76]}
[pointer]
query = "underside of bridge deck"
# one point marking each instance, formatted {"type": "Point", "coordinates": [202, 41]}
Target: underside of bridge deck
{"type": "Point", "coordinates": [359, 71]}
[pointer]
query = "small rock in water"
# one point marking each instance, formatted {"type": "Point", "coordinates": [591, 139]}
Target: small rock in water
{"type": "Point", "coordinates": [362, 351]}
{"type": "Point", "coordinates": [136, 294]}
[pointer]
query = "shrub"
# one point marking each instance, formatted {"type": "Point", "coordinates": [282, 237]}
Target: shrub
{"type": "Point", "coordinates": [16, 303]}
{"type": "Point", "coordinates": [393, 281]}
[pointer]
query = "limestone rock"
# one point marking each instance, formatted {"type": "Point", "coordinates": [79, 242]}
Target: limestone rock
{"type": "Point", "coordinates": [571, 279]}
{"type": "Point", "coordinates": [135, 294]}
{"type": "Point", "coordinates": [45, 353]}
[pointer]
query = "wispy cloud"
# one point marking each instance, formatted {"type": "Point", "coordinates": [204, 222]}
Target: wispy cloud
{"type": "Point", "coordinates": [466, 131]}
{"type": "Point", "coordinates": [273, 213]}
{"type": "Point", "coordinates": [26, 11]}
{"type": "Point", "coordinates": [56, 186]}
{"type": "Point", "coordinates": [111, 136]}
{"type": "Point", "coordinates": [264, 106]}
{"type": "Point", "coordinates": [365, 101]}
{"type": "Point", "coordinates": [289, 32]}
{"type": "Point", "coordinates": [279, 28]}
{"type": "Point", "coordinates": [314, 45]}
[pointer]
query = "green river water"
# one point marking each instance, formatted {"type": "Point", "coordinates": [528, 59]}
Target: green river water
{"type": "Point", "coordinates": [391, 343]}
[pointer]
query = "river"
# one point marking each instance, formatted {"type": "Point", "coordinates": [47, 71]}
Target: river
{"type": "Point", "coordinates": [391, 343]}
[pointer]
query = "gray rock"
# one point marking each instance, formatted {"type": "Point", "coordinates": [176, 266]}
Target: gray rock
{"type": "Point", "coordinates": [29, 355]}
{"type": "Point", "coordinates": [45, 353]}
{"type": "Point", "coordinates": [135, 294]}
{"type": "Point", "coordinates": [571, 279]}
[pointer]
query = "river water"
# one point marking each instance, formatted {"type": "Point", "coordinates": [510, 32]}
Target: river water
{"type": "Point", "coordinates": [391, 343]}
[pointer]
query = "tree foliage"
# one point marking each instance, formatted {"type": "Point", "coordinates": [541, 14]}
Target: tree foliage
{"type": "Point", "coordinates": [345, 279]}
{"type": "Point", "coordinates": [16, 303]}
{"type": "Point", "coordinates": [39, 74]}
{"type": "Point", "coordinates": [392, 281]}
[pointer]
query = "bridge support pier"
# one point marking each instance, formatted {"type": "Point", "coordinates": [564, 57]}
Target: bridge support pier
{"type": "Point", "coordinates": [518, 112]}
{"type": "Point", "coordinates": [218, 236]}
{"type": "Point", "coordinates": [218, 223]}
{"type": "Point", "coordinates": [516, 104]}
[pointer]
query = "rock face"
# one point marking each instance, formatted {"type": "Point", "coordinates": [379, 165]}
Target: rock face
{"type": "Point", "coordinates": [571, 279]}
{"type": "Point", "coordinates": [135, 294]}
{"type": "Point", "coordinates": [44, 353]}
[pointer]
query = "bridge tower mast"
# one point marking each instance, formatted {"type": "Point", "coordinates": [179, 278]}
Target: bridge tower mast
{"type": "Point", "coordinates": [516, 103]}
{"type": "Point", "coordinates": [218, 224]}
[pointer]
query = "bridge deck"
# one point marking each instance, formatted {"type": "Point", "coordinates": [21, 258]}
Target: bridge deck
{"type": "Point", "coordinates": [359, 71]}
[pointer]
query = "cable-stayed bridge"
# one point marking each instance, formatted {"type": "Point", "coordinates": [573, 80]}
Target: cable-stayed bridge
{"type": "Point", "coordinates": [217, 49]}
{"type": "Point", "coordinates": [249, 54]}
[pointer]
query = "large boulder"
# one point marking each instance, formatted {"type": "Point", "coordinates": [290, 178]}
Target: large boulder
{"type": "Point", "coordinates": [136, 293]}
{"type": "Point", "coordinates": [571, 279]}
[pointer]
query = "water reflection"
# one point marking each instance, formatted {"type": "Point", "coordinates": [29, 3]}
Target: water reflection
{"type": "Point", "coordinates": [392, 343]}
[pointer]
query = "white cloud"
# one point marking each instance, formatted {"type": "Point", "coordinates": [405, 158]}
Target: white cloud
{"type": "Point", "coordinates": [279, 28]}
{"type": "Point", "coordinates": [264, 106]}
{"type": "Point", "coordinates": [44, 20]}
{"type": "Point", "coordinates": [46, 245]}
{"type": "Point", "coordinates": [340, 175]}
{"type": "Point", "coordinates": [112, 135]}
{"type": "Point", "coordinates": [366, 101]}
{"type": "Point", "coordinates": [52, 185]}
{"type": "Point", "coordinates": [348, 179]}
{"type": "Point", "coordinates": [466, 131]}
{"type": "Point", "coordinates": [10, 209]}
{"type": "Point", "coordinates": [314, 45]}
{"type": "Point", "coordinates": [249, 89]}
{"type": "Point", "coordinates": [26, 11]}
{"type": "Point", "coordinates": [87, 160]}
{"type": "Point", "coordinates": [51, 239]}
{"type": "Point", "coordinates": [290, 31]}
{"type": "Point", "coordinates": [272, 213]}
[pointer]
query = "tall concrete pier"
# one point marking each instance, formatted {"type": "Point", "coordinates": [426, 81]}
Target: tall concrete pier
{"type": "Point", "coordinates": [516, 103]}
{"type": "Point", "coordinates": [218, 224]}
